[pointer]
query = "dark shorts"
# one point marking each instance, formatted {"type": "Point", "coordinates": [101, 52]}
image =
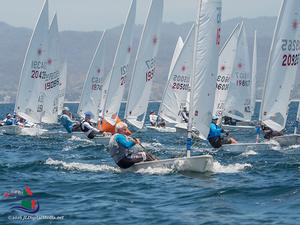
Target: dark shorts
{"type": "Point", "coordinates": [91, 135]}
{"type": "Point", "coordinates": [217, 142]}
{"type": "Point", "coordinates": [129, 161]}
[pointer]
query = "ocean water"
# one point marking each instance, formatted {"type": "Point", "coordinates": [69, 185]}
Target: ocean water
{"type": "Point", "coordinates": [76, 180]}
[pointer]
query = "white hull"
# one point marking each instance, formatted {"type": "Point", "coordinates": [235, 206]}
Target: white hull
{"type": "Point", "coordinates": [288, 140]}
{"type": "Point", "coordinates": [241, 147]}
{"type": "Point", "coordinates": [181, 127]}
{"type": "Point", "coordinates": [28, 131]}
{"type": "Point", "coordinates": [162, 129]}
{"type": "Point", "coordinates": [198, 164]}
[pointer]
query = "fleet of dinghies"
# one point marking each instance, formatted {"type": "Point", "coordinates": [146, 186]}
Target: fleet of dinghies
{"type": "Point", "coordinates": [202, 79]}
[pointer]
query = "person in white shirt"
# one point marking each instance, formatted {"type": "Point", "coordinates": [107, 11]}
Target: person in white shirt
{"type": "Point", "coordinates": [153, 119]}
{"type": "Point", "coordinates": [87, 127]}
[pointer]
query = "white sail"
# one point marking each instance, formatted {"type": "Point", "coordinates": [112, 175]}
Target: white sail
{"type": "Point", "coordinates": [225, 69]}
{"type": "Point", "coordinates": [30, 96]}
{"type": "Point", "coordinates": [205, 65]}
{"type": "Point", "coordinates": [105, 86]}
{"type": "Point", "coordinates": [178, 48]}
{"type": "Point", "coordinates": [93, 85]}
{"type": "Point", "coordinates": [52, 79]}
{"type": "Point", "coordinates": [178, 86]}
{"type": "Point", "coordinates": [238, 102]}
{"type": "Point", "coordinates": [144, 67]}
{"type": "Point", "coordinates": [282, 66]}
{"type": "Point", "coordinates": [254, 73]}
{"type": "Point", "coordinates": [62, 87]}
{"type": "Point", "coordinates": [118, 75]}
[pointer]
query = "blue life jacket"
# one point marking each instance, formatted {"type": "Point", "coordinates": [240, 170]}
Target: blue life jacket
{"type": "Point", "coordinates": [215, 131]}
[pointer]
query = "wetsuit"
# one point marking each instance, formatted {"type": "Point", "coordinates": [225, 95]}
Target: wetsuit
{"type": "Point", "coordinates": [215, 138]}
{"type": "Point", "coordinates": [119, 146]}
{"type": "Point", "coordinates": [269, 133]}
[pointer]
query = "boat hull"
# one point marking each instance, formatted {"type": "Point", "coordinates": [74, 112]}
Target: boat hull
{"type": "Point", "coordinates": [200, 164]}
{"type": "Point", "coordinates": [27, 131]}
{"type": "Point", "coordinates": [288, 140]}
{"type": "Point", "coordinates": [242, 147]}
{"type": "Point", "coordinates": [162, 129]}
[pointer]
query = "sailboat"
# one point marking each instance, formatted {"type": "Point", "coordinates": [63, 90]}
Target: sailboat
{"type": "Point", "coordinates": [175, 96]}
{"type": "Point", "coordinates": [205, 64]}
{"type": "Point", "coordinates": [144, 67]}
{"type": "Point", "coordinates": [282, 70]}
{"type": "Point", "coordinates": [115, 83]}
{"type": "Point", "coordinates": [238, 104]}
{"type": "Point", "coordinates": [225, 70]}
{"type": "Point", "coordinates": [52, 79]}
{"type": "Point", "coordinates": [30, 96]}
{"type": "Point", "coordinates": [93, 86]}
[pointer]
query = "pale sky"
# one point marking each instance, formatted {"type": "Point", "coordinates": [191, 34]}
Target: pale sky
{"type": "Point", "coordinates": [94, 15]}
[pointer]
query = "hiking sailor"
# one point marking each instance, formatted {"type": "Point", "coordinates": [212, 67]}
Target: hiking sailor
{"type": "Point", "coordinates": [67, 122]}
{"type": "Point", "coordinates": [215, 137]}
{"type": "Point", "coordinates": [269, 133]}
{"type": "Point", "coordinates": [120, 145]}
{"type": "Point", "coordinates": [86, 126]}
{"type": "Point", "coordinates": [184, 114]}
{"type": "Point", "coordinates": [153, 118]}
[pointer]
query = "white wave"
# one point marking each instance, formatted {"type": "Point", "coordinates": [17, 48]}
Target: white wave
{"type": "Point", "coordinates": [155, 171]}
{"type": "Point", "coordinates": [75, 138]}
{"type": "Point", "coordinates": [67, 148]}
{"type": "Point", "coordinates": [293, 146]}
{"type": "Point", "coordinates": [249, 153]}
{"type": "Point", "coordinates": [81, 166]}
{"type": "Point", "coordinates": [231, 168]}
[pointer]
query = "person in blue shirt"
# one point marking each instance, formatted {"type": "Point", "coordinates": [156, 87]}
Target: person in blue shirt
{"type": "Point", "coordinates": [9, 120]}
{"type": "Point", "coordinates": [67, 122]}
{"type": "Point", "coordinates": [216, 137]}
{"type": "Point", "coordinates": [120, 148]}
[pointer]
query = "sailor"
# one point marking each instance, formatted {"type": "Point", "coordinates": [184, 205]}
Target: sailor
{"type": "Point", "coordinates": [120, 145]}
{"type": "Point", "coordinates": [215, 137]}
{"type": "Point", "coordinates": [153, 118]}
{"type": "Point", "coordinates": [8, 120]}
{"type": "Point", "coordinates": [86, 126]}
{"type": "Point", "coordinates": [161, 122]}
{"type": "Point", "coordinates": [269, 133]}
{"type": "Point", "coordinates": [67, 122]}
{"type": "Point", "coordinates": [184, 114]}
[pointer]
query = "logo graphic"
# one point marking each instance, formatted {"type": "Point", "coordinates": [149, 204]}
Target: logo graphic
{"type": "Point", "coordinates": [27, 204]}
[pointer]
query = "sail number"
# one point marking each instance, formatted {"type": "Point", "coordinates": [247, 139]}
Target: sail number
{"type": "Point", "coordinates": [243, 83]}
{"type": "Point", "coordinates": [290, 59]}
{"type": "Point", "coordinates": [51, 84]}
{"type": "Point", "coordinates": [37, 74]}
{"type": "Point", "coordinates": [222, 83]}
{"type": "Point", "coordinates": [180, 86]}
{"type": "Point", "coordinates": [290, 45]}
{"type": "Point", "coordinates": [181, 82]}
{"type": "Point", "coordinates": [151, 69]}
{"type": "Point", "coordinates": [124, 70]}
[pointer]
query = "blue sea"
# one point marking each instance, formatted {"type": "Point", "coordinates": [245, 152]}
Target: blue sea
{"type": "Point", "coordinates": [75, 181]}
